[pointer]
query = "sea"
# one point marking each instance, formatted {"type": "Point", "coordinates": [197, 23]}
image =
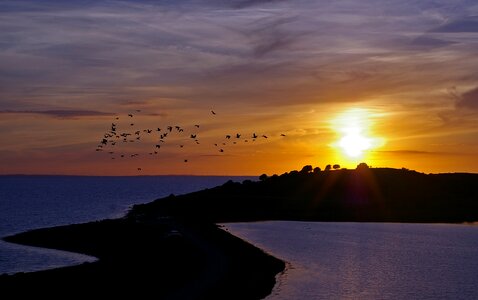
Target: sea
{"type": "Point", "coordinates": [369, 260]}
{"type": "Point", "coordinates": [325, 260]}
{"type": "Point", "coordinates": [31, 202]}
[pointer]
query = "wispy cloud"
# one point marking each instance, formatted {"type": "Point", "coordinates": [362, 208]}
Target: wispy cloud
{"type": "Point", "coordinates": [468, 100]}
{"type": "Point", "coordinates": [466, 24]}
{"type": "Point", "coordinates": [244, 59]}
{"type": "Point", "coordinates": [414, 152]}
{"type": "Point", "coordinates": [63, 114]}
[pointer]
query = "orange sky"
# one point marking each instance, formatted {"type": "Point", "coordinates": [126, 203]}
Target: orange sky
{"type": "Point", "coordinates": [403, 75]}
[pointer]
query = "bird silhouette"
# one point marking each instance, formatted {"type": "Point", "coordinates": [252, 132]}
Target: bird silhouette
{"type": "Point", "coordinates": [113, 133]}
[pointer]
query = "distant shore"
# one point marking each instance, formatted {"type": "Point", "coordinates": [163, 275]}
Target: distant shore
{"type": "Point", "coordinates": [168, 258]}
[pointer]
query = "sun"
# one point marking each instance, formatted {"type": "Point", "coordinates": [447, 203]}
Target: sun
{"type": "Point", "coordinates": [354, 143]}
{"type": "Point", "coordinates": [354, 130]}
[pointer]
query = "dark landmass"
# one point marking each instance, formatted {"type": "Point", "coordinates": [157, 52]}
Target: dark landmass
{"type": "Point", "coordinates": [160, 259]}
{"type": "Point", "coordinates": [172, 249]}
{"type": "Point", "coordinates": [361, 195]}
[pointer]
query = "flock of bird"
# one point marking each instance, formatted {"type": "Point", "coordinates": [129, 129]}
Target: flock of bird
{"type": "Point", "coordinates": [114, 137]}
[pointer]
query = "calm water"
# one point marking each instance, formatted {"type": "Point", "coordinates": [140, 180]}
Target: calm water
{"type": "Point", "coordinates": [29, 202]}
{"type": "Point", "coordinates": [369, 260]}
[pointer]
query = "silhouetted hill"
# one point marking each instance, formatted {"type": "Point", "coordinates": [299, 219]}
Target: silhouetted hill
{"type": "Point", "coordinates": [365, 194]}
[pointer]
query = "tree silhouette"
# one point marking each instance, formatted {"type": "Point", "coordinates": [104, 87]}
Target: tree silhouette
{"type": "Point", "coordinates": [362, 166]}
{"type": "Point", "coordinates": [328, 167]}
{"type": "Point", "coordinates": [317, 170]}
{"type": "Point", "coordinates": [306, 169]}
{"type": "Point", "coordinates": [336, 166]}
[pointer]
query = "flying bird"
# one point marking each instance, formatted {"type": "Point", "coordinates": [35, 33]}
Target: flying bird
{"type": "Point", "coordinates": [238, 136]}
{"type": "Point", "coordinates": [130, 115]}
{"type": "Point", "coordinates": [197, 126]}
{"type": "Point", "coordinates": [264, 136]}
{"type": "Point", "coordinates": [228, 136]}
{"type": "Point", "coordinates": [193, 136]}
{"type": "Point", "coordinates": [282, 134]}
{"type": "Point", "coordinates": [213, 112]}
{"type": "Point", "coordinates": [254, 136]}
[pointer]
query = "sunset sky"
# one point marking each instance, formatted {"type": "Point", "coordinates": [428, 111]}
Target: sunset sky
{"type": "Point", "coordinates": [390, 83]}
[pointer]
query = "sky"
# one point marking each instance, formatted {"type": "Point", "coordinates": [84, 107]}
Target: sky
{"type": "Point", "coordinates": [317, 78]}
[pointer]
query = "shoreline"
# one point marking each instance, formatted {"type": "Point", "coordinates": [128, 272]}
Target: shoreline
{"type": "Point", "coordinates": [169, 258]}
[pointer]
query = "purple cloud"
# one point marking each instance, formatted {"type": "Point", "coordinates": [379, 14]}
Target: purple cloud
{"type": "Point", "coordinates": [469, 99]}
{"type": "Point", "coordinates": [63, 114]}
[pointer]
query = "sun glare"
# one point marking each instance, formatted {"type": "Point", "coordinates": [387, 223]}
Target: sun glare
{"type": "Point", "coordinates": [354, 129]}
{"type": "Point", "coordinates": [354, 144]}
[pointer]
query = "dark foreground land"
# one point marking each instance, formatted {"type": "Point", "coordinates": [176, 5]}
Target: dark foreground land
{"type": "Point", "coordinates": [171, 249]}
{"type": "Point", "coordinates": [154, 259]}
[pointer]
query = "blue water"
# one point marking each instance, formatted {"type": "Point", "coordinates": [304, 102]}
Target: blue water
{"type": "Point", "coordinates": [29, 202]}
{"type": "Point", "coordinates": [369, 260]}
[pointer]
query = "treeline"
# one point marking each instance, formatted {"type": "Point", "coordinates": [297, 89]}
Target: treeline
{"type": "Point", "coordinates": [363, 194]}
